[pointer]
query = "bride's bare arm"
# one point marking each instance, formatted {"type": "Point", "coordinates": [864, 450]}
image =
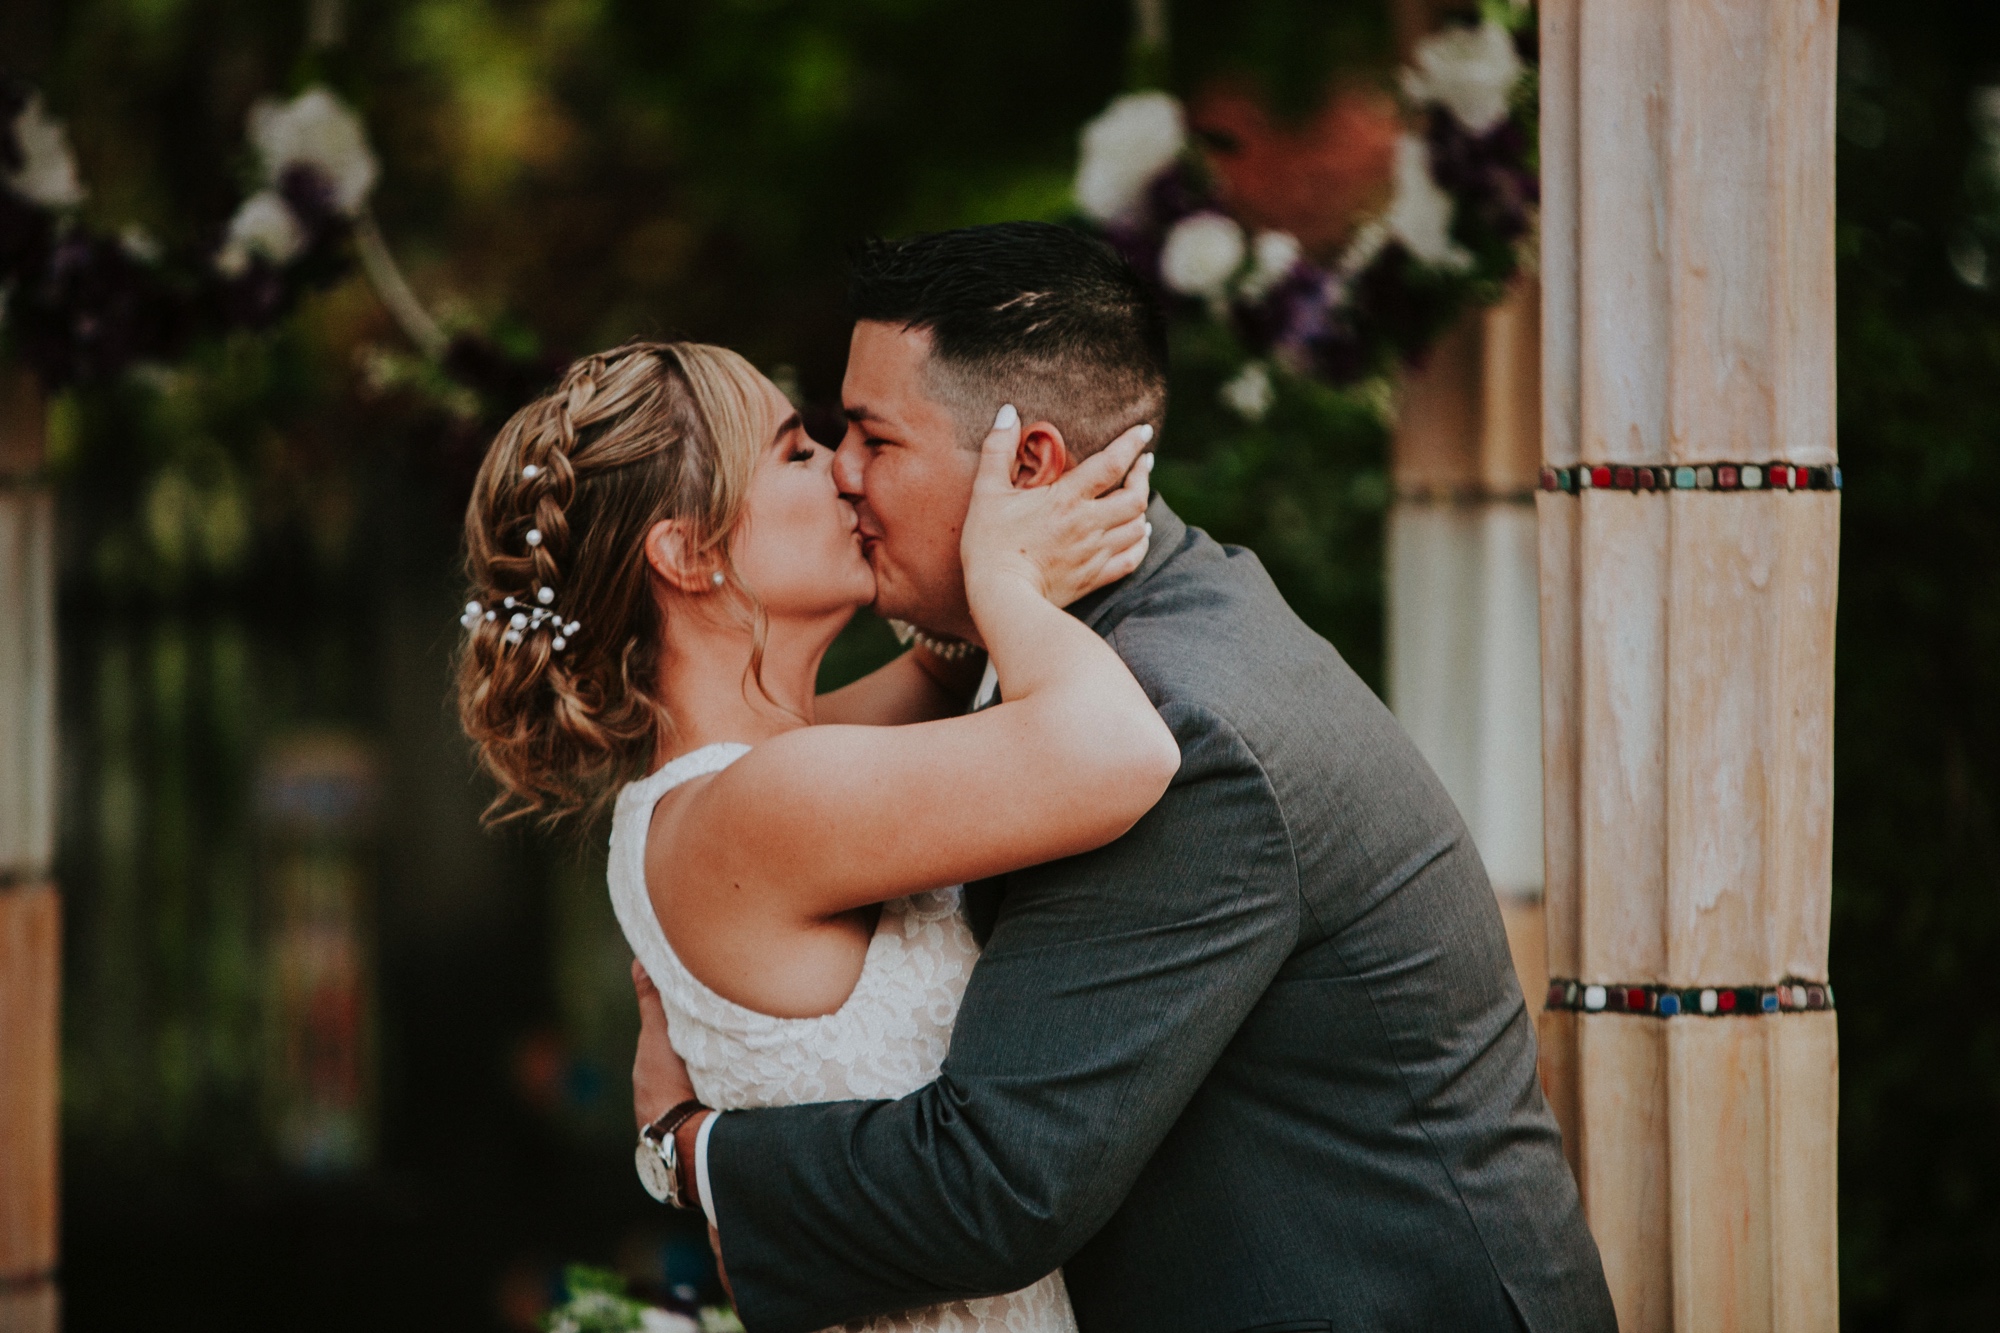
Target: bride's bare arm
{"type": "Point", "coordinates": [823, 819]}
{"type": "Point", "coordinates": [917, 686]}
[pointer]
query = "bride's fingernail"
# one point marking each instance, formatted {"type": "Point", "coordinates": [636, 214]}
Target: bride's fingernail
{"type": "Point", "coordinates": [1145, 434]}
{"type": "Point", "coordinates": [1149, 529]}
{"type": "Point", "coordinates": [1008, 418]}
{"type": "Point", "coordinates": [1148, 460]}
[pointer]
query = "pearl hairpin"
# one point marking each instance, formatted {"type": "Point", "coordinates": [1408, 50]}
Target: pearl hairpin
{"type": "Point", "coordinates": [534, 536]}
{"type": "Point", "coordinates": [526, 620]}
{"type": "Point", "coordinates": [530, 472]}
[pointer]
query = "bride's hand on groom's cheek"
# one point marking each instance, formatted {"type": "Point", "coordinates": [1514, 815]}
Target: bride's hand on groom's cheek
{"type": "Point", "coordinates": [659, 1078]}
{"type": "Point", "coordinates": [1064, 538]}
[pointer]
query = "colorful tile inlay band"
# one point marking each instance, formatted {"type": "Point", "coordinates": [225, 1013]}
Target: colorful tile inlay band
{"type": "Point", "coordinates": [1700, 1001]}
{"type": "Point", "coordinates": [1691, 477]}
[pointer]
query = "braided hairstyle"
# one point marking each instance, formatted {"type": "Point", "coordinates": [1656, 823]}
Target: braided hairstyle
{"type": "Point", "coordinates": [560, 706]}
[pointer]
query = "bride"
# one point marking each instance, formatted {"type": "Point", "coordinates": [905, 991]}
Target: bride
{"type": "Point", "coordinates": [660, 558]}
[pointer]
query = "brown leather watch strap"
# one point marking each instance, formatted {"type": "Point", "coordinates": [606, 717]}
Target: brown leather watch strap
{"type": "Point", "coordinates": [684, 1163]}
{"type": "Point", "coordinates": [673, 1118]}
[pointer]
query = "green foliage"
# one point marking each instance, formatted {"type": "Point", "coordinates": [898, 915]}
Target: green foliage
{"type": "Point", "coordinates": [1917, 743]}
{"type": "Point", "coordinates": [1292, 52]}
{"type": "Point", "coordinates": [595, 1303]}
{"type": "Point", "coordinates": [1305, 487]}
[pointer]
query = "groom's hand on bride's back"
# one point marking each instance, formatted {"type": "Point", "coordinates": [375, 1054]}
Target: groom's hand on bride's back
{"type": "Point", "coordinates": [659, 1078]}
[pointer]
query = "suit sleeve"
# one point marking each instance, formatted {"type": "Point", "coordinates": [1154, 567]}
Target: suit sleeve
{"type": "Point", "coordinates": [1108, 989]}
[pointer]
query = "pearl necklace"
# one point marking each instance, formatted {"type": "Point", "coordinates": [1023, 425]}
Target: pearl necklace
{"type": "Point", "coordinates": [947, 650]}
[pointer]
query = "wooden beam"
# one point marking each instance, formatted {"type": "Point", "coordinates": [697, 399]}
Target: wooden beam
{"type": "Point", "coordinates": [1463, 647]}
{"type": "Point", "coordinates": [27, 679]}
{"type": "Point", "coordinates": [30, 910]}
{"type": "Point", "coordinates": [30, 1307]}
{"type": "Point", "coordinates": [30, 961]}
{"type": "Point", "coordinates": [1687, 645]}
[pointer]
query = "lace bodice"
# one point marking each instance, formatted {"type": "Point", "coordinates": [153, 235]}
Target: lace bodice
{"type": "Point", "coordinates": [888, 1039]}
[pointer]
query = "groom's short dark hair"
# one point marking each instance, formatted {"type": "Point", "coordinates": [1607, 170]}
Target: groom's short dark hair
{"type": "Point", "coordinates": [1031, 313]}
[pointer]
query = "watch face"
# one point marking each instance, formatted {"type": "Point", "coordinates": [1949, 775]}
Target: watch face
{"type": "Point", "coordinates": [653, 1173]}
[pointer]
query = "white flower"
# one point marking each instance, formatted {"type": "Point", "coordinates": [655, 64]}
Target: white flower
{"type": "Point", "coordinates": [48, 169]}
{"type": "Point", "coordinates": [264, 226]}
{"type": "Point", "coordinates": [1133, 140]}
{"type": "Point", "coordinates": [655, 1320]}
{"type": "Point", "coordinates": [1368, 241]}
{"type": "Point", "coordinates": [316, 129]}
{"type": "Point", "coordinates": [1272, 255]}
{"type": "Point", "coordinates": [1248, 393]}
{"type": "Point", "coordinates": [1420, 213]}
{"type": "Point", "coordinates": [1202, 254]}
{"type": "Point", "coordinates": [1986, 124]}
{"type": "Point", "coordinates": [1986, 111]}
{"type": "Point", "coordinates": [140, 244]}
{"type": "Point", "coordinates": [1968, 260]}
{"type": "Point", "coordinates": [1471, 70]}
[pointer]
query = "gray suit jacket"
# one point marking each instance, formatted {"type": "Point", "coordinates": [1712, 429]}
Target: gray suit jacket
{"type": "Point", "coordinates": [1261, 1064]}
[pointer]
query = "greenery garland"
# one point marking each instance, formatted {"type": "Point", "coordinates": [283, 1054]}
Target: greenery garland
{"type": "Point", "coordinates": [1465, 187]}
{"type": "Point", "coordinates": [82, 306]}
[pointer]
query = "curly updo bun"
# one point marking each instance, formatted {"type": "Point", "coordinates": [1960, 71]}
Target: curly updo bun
{"type": "Point", "coordinates": [562, 706]}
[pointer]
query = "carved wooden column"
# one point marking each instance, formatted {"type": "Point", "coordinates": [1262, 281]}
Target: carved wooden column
{"type": "Point", "coordinates": [1689, 537]}
{"type": "Point", "coordinates": [1462, 641]}
{"type": "Point", "coordinates": [30, 920]}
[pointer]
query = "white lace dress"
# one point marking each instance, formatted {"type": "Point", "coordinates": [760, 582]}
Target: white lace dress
{"type": "Point", "coordinates": [888, 1039]}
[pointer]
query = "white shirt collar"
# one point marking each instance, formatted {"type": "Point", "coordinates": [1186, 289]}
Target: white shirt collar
{"type": "Point", "coordinates": [989, 686]}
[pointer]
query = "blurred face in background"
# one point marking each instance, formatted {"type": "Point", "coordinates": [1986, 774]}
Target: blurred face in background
{"type": "Point", "coordinates": [905, 466]}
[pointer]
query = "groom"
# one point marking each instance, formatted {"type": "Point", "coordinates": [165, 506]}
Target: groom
{"type": "Point", "coordinates": [1259, 1066]}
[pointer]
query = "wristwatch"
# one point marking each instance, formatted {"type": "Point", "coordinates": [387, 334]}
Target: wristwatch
{"type": "Point", "coordinates": [658, 1156]}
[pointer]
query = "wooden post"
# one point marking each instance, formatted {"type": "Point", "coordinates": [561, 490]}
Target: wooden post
{"type": "Point", "coordinates": [1463, 650]}
{"type": "Point", "coordinates": [30, 946]}
{"type": "Point", "coordinates": [1687, 647]}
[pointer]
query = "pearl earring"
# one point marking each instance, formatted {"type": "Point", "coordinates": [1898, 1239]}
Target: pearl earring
{"type": "Point", "coordinates": [716, 578]}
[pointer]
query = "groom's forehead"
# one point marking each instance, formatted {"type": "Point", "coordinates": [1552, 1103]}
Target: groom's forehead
{"type": "Point", "coordinates": [888, 355]}
{"type": "Point", "coordinates": [886, 379]}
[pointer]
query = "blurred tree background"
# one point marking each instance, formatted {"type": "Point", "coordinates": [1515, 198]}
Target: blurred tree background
{"type": "Point", "coordinates": [333, 1055]}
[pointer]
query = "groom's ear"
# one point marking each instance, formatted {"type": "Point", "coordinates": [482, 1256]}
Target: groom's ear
{"type": "Point", "coordinates": [1041, 457]}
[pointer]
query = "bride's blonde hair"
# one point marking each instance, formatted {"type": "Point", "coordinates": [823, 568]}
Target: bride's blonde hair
{"type": "Point", "coordinates": [569, 489]}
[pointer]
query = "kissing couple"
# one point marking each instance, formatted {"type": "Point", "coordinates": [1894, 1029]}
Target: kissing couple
{"type": "Point", "coordinates": [1220, 1033]}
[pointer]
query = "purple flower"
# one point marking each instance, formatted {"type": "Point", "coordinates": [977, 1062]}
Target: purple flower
{"type": "Point", "coordinates": [90, 310]}
{"type": "Point", "coordinates": [1394, 309]}
{"type": "Point", "coordinates": [1295, 312]}
{"type": "Point", "coordinates": [1174, 194]}
{"type": "Point", "coordinates": [255, 297]}
{"type": "Point", "coordinates": [14, 96]}
{"type": "Point", "coordinates": [1488, 174]}
{"type": "Point", "coordinates": [26, 233]}
{"type": "Point", "coordinates": [308, 192]}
